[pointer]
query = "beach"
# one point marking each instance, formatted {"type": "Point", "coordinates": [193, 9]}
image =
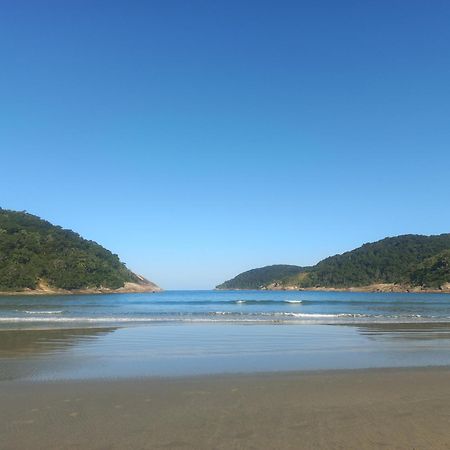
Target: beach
{"type": "Point", "coordinates": [359, 409]}
{"type": "Point", "coordinates": [225, 370]}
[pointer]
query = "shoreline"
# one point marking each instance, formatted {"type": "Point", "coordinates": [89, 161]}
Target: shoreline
{"type": "Point", "coordinates": [374, 288]}
{"type": "Point", "coordinates": [188, 350]}
{"type": "Point", "coordinates": [128, 288]}
{"type": "Point", "coordinates": [228, 376]}
{"type": "Point", "coordinates": [351, 409]}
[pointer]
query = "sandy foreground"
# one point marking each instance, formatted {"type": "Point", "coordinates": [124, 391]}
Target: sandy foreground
{"type": "Point", "coordinates": [360, 409]}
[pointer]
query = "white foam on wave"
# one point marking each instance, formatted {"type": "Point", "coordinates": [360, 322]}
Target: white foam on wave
{"type": "Point", "coordinates": [293, 301]}
{"type": "Point", "coordinates": [286, 314]}
{"type": "Point", "coordinates": [317, 315]}
{"type": "Point", "coordinates": [75, 319]}
{"type": "Point", "coordinates": [43, 312]}
{"type": "Point", "coordinates": [233, 315]}
{"type": "Point", "coordinates": [113, 320]}
{"type": "Point", "coordinates": [219, 316]}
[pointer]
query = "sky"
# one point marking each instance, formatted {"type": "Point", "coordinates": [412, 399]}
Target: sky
{"type": "Point", "coordinates": [198, 139]}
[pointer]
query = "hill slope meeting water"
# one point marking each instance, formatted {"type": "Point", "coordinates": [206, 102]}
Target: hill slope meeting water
{"type": "Point", "coordinates": [395, 264]}
{"type": "Point", "coordinates": [37, 257]}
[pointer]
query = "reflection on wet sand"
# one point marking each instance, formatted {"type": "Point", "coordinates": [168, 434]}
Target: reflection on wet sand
{"type": "Point", "coordinates": [195, 349]}
{"type": "Point", "coordinates": [17, 343]}
{"type": "Point", "coordinates": [409, 331]}
{"type": "Point", "coordinates": [25, 353]}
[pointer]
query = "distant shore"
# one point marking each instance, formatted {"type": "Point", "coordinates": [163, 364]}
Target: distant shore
{"type": "Point", "coordinates": [128, 288]}
{"type": "Point", "coordinates": [381, 287]}
{"type": "Point", "coordinates": [355, 410]}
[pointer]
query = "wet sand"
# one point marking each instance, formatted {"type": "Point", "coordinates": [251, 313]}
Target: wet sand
{"type": "Point", "coordinates": [359, 409]}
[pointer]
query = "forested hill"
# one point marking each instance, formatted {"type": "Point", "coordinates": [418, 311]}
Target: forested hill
{"type": "Point", "coordinates": [408, 260]}
{"type": "Point", "coordinates": [35, 254]}
{"type": "Point", "coordinates": [255, 278]}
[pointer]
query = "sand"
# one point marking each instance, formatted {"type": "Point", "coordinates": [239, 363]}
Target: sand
{"type": "Point", "coordinates": [359, 409]}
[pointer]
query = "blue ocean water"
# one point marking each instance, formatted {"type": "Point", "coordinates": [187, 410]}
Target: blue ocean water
{"type": "Point", "coordinates": [205, 332]}
{"type": "Point", "coordinates": [223, 306]}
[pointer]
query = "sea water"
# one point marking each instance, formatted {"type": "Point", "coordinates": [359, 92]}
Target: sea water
{"type": "Point", "coordinates": [204, 332]}
{"type": "Point", "coordinates": [224, 306]}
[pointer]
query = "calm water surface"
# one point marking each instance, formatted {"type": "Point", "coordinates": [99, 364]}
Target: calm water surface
{"type": "Point", "coordinates": [200, 332]}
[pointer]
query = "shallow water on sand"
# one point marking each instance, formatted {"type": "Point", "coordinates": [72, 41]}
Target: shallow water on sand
{"type": "Point", "coordinates": [207, 332]}
{"type": "Point", "coordinates": [194, 349]}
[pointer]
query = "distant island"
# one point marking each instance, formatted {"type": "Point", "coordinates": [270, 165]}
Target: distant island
{"type": "Point", "coordinates": [395, 264]}
{"type": "Point", "coordinates": [37, 257]}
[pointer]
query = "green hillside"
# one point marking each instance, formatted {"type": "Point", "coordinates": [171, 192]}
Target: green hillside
{"type": "Point", "coordinates": [256, 278]}
{"type": "Point", "coordinates": [434, 271]}
{"type": "Point", "coordinates": [33, 251]}
{"type": "Point", "coordinates": [410, 260]}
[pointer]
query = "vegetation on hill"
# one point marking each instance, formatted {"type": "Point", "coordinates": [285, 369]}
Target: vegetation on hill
{"type": "Point", "coordinates": [434, 271]}
{"type": "Point", "coordinates": [391, 260]}
{"type": "Point", "coordinates": [33, 251]}
{"type": "Point", "coordinates": [256, 278]}
{"type": "Point", "coordinates": [409, 260]}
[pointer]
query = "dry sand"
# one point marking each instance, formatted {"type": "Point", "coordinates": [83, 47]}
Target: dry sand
{"type": "Point", "coordinates": [370, 409]}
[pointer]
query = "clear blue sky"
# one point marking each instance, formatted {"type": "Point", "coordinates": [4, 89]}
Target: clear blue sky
{"type": "Point", "coordinates": [197, 139]}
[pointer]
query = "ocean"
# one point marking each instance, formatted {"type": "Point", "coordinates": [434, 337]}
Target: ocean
{"type": "Point", "coordinates": [178, 333]}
